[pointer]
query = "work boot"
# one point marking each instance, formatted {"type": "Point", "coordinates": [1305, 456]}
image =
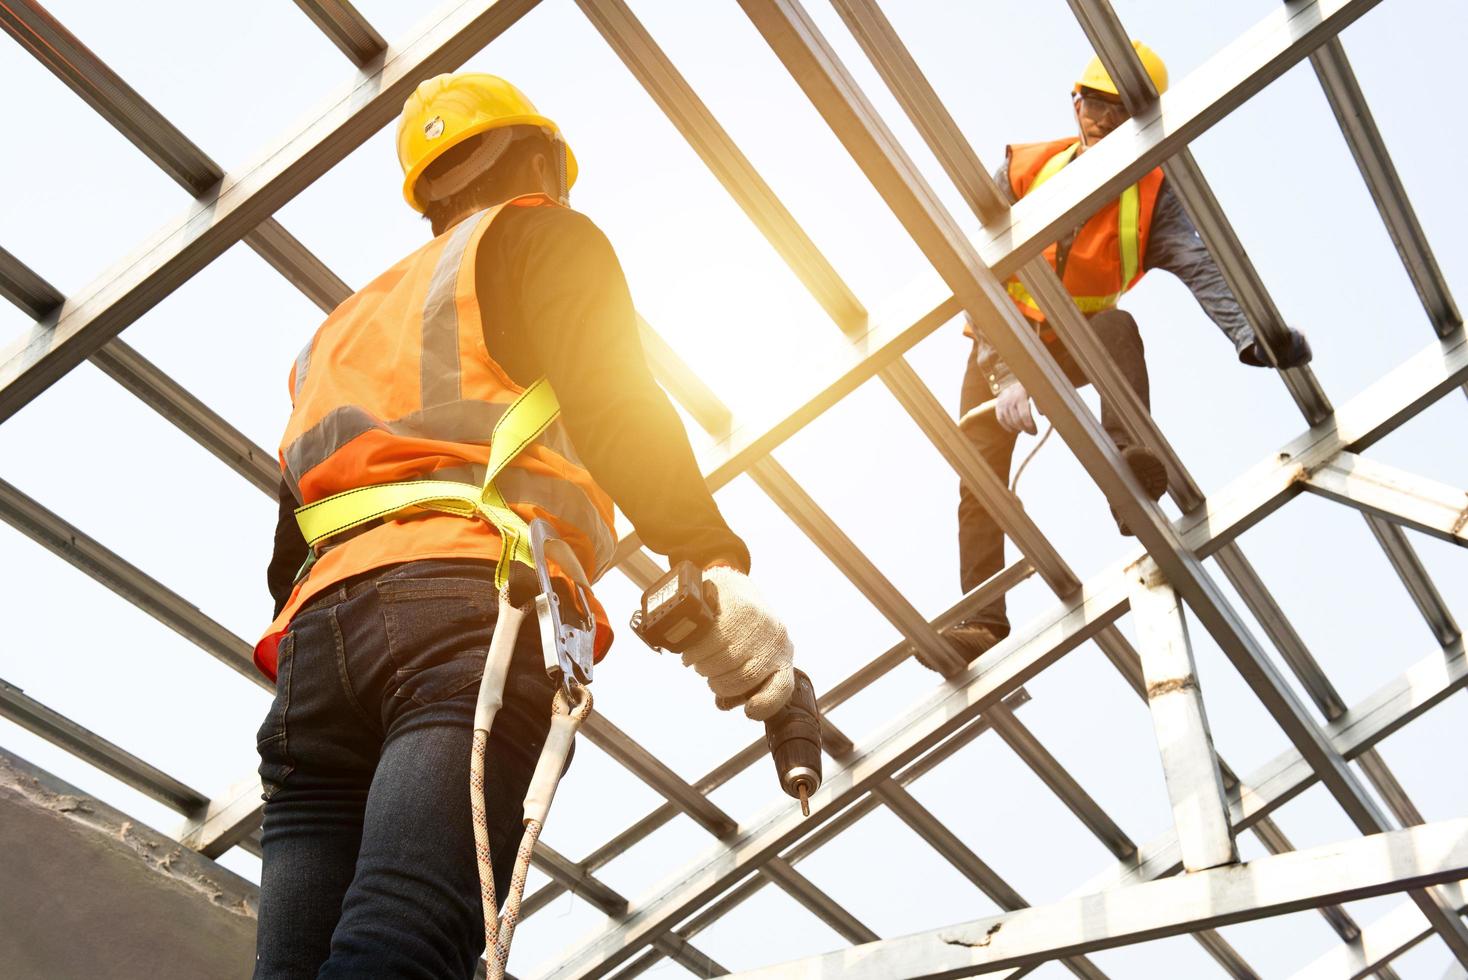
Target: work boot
{"type": "Point", "coordinates": [969, 640]}
{"type": "Point", "coordinates": [1150, 473]}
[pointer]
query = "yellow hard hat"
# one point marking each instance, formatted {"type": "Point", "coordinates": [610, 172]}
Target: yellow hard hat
{"type": "Point", "coordinates": [1096, 77]}
{"type": "Point", "coordinates": [444, 111]}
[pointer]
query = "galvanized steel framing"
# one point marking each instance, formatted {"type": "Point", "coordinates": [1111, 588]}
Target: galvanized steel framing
{"type": "Point", "coordinates": [1213, 804]}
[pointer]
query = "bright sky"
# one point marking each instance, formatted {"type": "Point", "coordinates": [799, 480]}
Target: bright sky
{"type": "Point", "coordinates": [81, 197]}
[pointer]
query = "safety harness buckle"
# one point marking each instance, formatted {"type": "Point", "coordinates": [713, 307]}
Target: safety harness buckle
{"type": "Point", "coordinates": [570, 648]}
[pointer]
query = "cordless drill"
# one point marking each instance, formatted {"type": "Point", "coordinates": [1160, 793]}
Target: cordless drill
{"type": "Point", "coordinates": [678, 610]}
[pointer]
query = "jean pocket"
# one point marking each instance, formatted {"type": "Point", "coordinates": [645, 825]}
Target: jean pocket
{"type": "Point", "coordinates": [433, 621]}
{"type": "Point", "coordinates": [271, 741]}
{"type": "Point", "coordinates": [430, 685]}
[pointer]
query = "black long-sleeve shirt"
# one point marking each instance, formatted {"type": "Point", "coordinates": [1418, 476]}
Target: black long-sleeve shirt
{"type": "Point", "coordinates": [556, 304]}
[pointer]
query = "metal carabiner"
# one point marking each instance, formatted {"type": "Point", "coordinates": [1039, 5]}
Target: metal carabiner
{"type": "Point", "coordinates": [569, 649]}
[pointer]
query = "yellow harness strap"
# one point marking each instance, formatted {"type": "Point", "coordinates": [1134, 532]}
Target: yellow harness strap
{"type": "Point", "coordinates": [523, 422]}
{"type": "Point", "coordinates": [1129, 232]}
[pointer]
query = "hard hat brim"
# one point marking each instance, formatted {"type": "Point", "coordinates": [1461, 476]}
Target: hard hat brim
{"type": "Point", "coordinates": [410, 180]}
{"type": "Point", "coordinates": [1096, 85]}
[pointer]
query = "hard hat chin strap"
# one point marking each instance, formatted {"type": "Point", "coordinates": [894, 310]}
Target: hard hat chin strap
{"type": "Point", "coordinates": [563, 187]}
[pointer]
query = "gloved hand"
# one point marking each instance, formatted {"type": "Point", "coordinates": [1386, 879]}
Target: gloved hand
{"type": "Point", "coordinates": [746, 655]}
{"type": "Point", "coordinates": [1295, 353]}
{"type": "Point", "coordinates": [1012, 409]}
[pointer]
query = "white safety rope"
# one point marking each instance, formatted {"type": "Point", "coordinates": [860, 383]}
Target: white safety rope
{"type": "Point", "coordinates": [1014, 484]}
{"type": "Point", "coordinates": [566, 718]}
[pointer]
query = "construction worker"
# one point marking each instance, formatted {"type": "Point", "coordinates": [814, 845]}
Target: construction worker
{"type": "Point", "coordinates": [1146, 228]}
{"type": "Point", "coordinates": [378, 647]}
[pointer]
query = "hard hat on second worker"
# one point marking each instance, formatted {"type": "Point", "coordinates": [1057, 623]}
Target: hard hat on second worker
{"type": "Point", "coordinates": [445, 111]}
{"type": "Point", "coordinates": [1095, 76]}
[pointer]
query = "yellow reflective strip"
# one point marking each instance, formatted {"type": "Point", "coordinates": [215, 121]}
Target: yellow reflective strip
{"type": "Point", "coordinates": [527, 417]}
{"type": "Point", "coordinates": [1095, 304]}
{"type": "Point", "coordinates": [1055, 164]}
{"type": "Point", "coordinates": [1022, 295]}
{"type": "Point", "coordinates": [344, 511]}
{"type": "Point", "coordinates": [1129, 228]}
{"type": "Point", "coordinates": [1086, 304]}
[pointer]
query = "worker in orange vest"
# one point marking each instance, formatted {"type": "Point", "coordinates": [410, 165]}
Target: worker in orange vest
{"type": "Point", "coordinates": [1145, 228]}
{"type": "Point", "coordinates": [380, 638]}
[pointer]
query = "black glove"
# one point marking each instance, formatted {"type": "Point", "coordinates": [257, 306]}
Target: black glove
{"type": "Point", "coordinates": [1295, 353]}
{"type": "Point", "coordinates": [1012, 409]}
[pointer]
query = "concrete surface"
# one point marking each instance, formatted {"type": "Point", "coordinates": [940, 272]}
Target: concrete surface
{"type": "Point", "coordinates": [87, 892]}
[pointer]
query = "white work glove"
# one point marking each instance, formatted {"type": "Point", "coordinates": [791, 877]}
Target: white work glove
{"type": "Point", "coordinates": [1012, 409]}
{"type": "Point", "coordinates": [746, 656]}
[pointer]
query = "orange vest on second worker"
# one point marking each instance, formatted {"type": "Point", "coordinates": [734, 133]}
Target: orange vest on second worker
{"type": "Point", "coordinates": [398, 385]}
{"type": "Point", "coordinates": [1105, 260]}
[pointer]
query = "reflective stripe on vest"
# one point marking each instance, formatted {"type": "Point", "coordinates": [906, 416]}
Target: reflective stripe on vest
{"type": "Point", "coordinates": [458, 408]}
{"type": "Point", "coordinates": [521, 424]}
{"type": "Point", "coordinates": [1129, 234]}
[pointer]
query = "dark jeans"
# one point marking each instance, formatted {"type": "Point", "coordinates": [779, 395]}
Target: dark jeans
{"type": "Point", "coordinates": [980, 541]}
{"type": "Point", "coordinates": [369, 851]}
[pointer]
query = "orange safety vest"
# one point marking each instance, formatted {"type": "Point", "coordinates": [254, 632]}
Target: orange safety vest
{"type": "Point", "coordinates": [397, 385]}
{"type": "Point", "coordinates": [1105, 260]}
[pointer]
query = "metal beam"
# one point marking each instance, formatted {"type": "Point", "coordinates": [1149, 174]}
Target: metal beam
{"type": "Point", "coordinates": [794, 38]}
{"type": "Point", "coordinates": [1189, 108]}
{"type": "Point", "coordinates": [656, 73]}
{"type": "Point", "coordinates": [1420, 587]}
{"type": "Point", "coordinates": [703, 133]}
{"type": "Point", "coordinates": [242, 201]}
{"type": "Point", "coordinates": [814, 65]}
{"type": "Point", "coordinates": [998, 673]}
{"type": "Point", "coordinates": [127, 580]}
{"type": "Point", "coordinates": [580, 882]}
{"type": "Point", "coordinates": [38, 298]}
{"type": "Point", "coordinates": [920, 102]}
{"type": "Point", "coordinates": [1359, 424]}
{"type": "Point", "coordinates": [712, 818]}
{"type": "Point", "coordinates": [1370, 416]}
{"type": "Point", "coordinates": [757, 749]}
{"type": "Point", "coordinates": [1114, 47]}
{"type": "Point", "coordinates": [1184, 741]}
{"type": "Point", "coordinates": [1423, 686]}
{"type": "Point", "coordinates": [226, 821]}
{"type": "Point", "coordinates": [1381, 942]}
{"type": "Point", "coordinates": [900, 71]}
{"type": "Point", "coordinates": [830, 830]}
{"type": "Point", "coordinates": [1439, 367]}
{"type": "Point", "coordinates": [97, 751]}
{"type": "Point", "coordinates": [1359, 868]}
{"type": "Point", "coordinates": [1348, 103]}
{"type": "Point", "coordinates": [34, 296]}
{"type": "Point", "coordinates": [346, 28]}
{"type": "Point", "coordinates": [1401, 497]}
{"type": "Point", "coordinates": [195, 419]}
{"type": "Point", "coordinates": [929, 647]}
{"type": "Point", "coordinates": [36, 30]}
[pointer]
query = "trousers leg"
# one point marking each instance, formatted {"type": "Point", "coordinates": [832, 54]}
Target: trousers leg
{"type": "Point", "coordinates": [316, 765]}
{"type": "Point", "coordinates": [980, 540]}
{"type": "Point", "coordinates": [413, 907]}
{"type": "Point", "coordinates": [1117, 331]}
